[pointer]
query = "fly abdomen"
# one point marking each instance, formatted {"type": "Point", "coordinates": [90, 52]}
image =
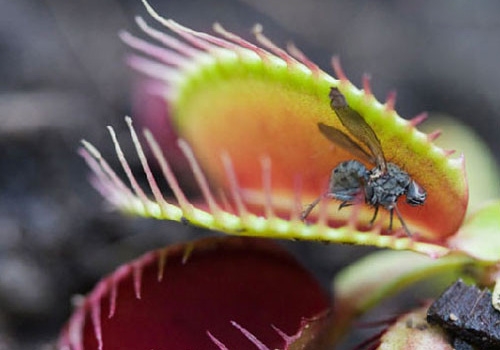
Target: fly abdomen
{"type": "Point", "coordinates": [347, 180]}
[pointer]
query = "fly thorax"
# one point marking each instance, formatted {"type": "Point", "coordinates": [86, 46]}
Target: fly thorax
{"type": "Point", "coordinates": [375, 173]}
{"type": "Point", "coordinates": [387, 187]}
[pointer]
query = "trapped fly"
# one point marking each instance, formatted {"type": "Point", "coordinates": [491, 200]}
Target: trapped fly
{"type": "Point", "coordinates": [351, 182]}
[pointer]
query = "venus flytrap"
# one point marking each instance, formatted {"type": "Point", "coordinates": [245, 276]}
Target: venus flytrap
{"type": "Point", "coordinates": [247, 120]}
{"type": "Point", "coordinates": [235, 104]}
{"type": "Point", "coordinates": [194, 296]}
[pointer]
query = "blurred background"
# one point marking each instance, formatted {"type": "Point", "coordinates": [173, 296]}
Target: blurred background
{"type": "Point", "coordinates": [63, 78]}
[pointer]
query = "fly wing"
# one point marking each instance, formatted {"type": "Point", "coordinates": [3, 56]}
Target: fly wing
{"type": "Point", "coordinates": [357, 127]}
{"type": "Point", "coordinates": [341, 139]}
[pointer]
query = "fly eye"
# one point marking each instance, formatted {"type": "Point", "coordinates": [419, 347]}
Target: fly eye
{"type": "Point", "coordinates": [416, 195]}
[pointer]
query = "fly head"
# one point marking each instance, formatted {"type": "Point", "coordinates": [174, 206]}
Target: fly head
{"type": "Point", "coordinates": [416, 194]}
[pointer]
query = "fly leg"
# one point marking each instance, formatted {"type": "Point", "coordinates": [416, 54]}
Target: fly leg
{"type": "Point", "coordinates": [346, 198]}
{"type": "Point", "coordinates": [391, 213]}
{"type": "Point", "coordinates": [345, 204]}
{"type": "Point", "coordinates": [310, 207]}
{"type": "Point", "coordinates": [400, 217]}
{"type": "Point", "coordinates": [375, 216]}
{"type": "Point", "coordinates": [408, 233]}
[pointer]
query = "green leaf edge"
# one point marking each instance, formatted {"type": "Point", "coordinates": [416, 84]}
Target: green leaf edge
{"type": "Point", "coordinates": [245, 224]}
